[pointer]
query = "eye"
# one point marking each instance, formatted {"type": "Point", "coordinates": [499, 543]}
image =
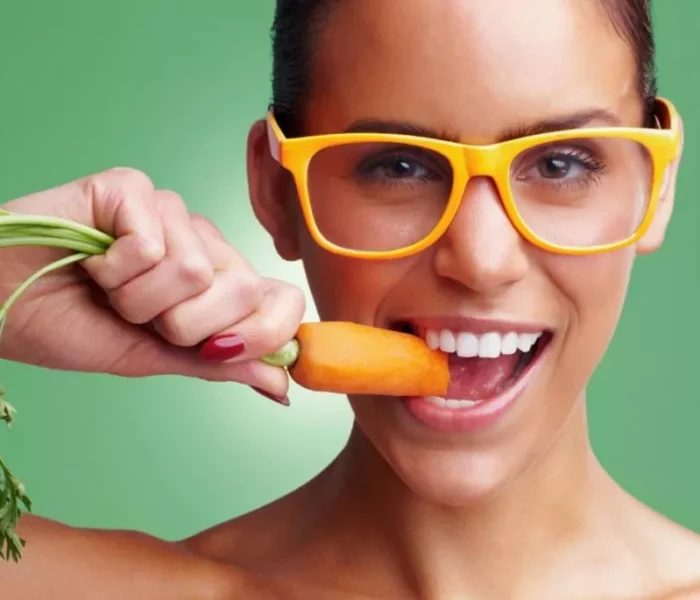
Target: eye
{"type": "Point", "coordinates": [557, 167]}
{"type": "Point", "coordinates": [399, 166]}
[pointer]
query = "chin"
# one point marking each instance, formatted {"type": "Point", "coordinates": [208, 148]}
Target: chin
{"type": "Point", "coordinates": [451, 477]}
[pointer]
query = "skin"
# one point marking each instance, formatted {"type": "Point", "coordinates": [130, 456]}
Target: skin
{"type": "Point", "coordinates": [523, 511]}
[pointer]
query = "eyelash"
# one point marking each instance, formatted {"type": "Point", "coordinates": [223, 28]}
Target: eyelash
{"type": "Point", "coordinates": [367, 167]}
{"type": "Point", "coordinates": [584, 158]}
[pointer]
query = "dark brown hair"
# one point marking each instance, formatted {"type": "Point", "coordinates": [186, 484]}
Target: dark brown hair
{"type": "Point", "coordinates": [297, 22]}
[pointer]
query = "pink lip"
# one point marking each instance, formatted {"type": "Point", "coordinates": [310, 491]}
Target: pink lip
{"type": "Point", "coordinates": [475, 418]}
{"type": "Point", "coordinates": [475, 325]}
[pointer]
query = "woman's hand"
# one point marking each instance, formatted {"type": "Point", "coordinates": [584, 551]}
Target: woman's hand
{"type": "Point", "coordinates": [170, 296]}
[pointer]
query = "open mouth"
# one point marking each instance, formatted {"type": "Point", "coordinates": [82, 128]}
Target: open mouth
{"type": "Point", "coordinates": [483, 366]}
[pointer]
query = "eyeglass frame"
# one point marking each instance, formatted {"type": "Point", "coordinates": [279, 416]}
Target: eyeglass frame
{"type": "Point", "coordinates": [469, 160]}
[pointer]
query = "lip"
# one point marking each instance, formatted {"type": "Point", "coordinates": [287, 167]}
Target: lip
{"type": "Point", "coordinates": [477, 418]}
{"type": "Point", "coordinates": [475, 325]}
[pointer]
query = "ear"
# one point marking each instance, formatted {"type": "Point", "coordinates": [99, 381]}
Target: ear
{"type": "Point", "coordinates": [654, 237]}
{"type": "Point", "coordinates": [271, 190]}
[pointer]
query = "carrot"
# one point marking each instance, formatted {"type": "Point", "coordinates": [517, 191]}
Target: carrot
{"type": "Point", "coordinates": [349, 358]}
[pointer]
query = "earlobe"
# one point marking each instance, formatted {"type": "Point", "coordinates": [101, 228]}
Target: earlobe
{"type": "Point", "coordinates": [270, 188]}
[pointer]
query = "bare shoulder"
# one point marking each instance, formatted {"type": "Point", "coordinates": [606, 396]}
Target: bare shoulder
{"type": "Point", "coordinates": [62, 562]}
{"type": "Point", "coordinates": [259, 537]}
{"type": "Point", "coordinates": [673, 552]}
{"type": "Point", "coordinates": [253, 539]}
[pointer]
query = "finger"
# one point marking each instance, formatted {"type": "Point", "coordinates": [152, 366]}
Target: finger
{"type": "Point", "coordinates": [272, 382]}
{"type": "Point", "coordinates": [114, 201]}
{"type": "Point", "coordinates": [158, 358]}
{"type": "Point", "coordinates": [234, 295]}
{"type": "Point", "coordinates": [265, 379]}
{"type": "Point", "coordinates": [185, 272]}
{"type": "Point", "coordinates": [127, 258]}
{"type": "Point", "coordinates": [133, 255]}
{"type": "Point", "coordinates": [265, 331]}
{"type": "Point", "coordinates": [221, 253]}
{"type": "Point", "coordinates": [122, 204]}
{"type": "Point", "coordinates": [118, 202]}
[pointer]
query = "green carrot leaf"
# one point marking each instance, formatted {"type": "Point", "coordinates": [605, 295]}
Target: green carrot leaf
{"type": "Point", "coordinates": [7, 411]}
{"type": "Point", "coordinates": [13, 502]}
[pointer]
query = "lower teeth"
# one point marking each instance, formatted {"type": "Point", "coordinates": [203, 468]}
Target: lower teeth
{"type": "Point", "coordinates": [449, 403]}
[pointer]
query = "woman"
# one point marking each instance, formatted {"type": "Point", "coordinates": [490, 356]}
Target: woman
{"type": "Point", "coordinates": [519, 272]}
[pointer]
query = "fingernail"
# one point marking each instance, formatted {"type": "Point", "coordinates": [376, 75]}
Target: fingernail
{"type": "Point", "coordinates": [220, 348]}
{"type": "Point", "coordinates": [283, 400]}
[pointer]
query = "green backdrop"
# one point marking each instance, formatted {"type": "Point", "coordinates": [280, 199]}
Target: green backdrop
{"type": "Point", "coordinates": [170, 87]}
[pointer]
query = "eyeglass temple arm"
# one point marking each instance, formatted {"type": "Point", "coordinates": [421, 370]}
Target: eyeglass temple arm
{"type": "Point", "coordinates": [274, 137]}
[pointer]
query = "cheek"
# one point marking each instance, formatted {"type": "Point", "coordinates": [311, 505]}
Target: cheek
{"type": "Point", "coordinates": [346, 289]}
{"type": "Point", "coordinates": [595, 288]}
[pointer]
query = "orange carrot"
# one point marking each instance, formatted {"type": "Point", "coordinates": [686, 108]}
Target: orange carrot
{"type": "Point", "coordinates": [349, 358]}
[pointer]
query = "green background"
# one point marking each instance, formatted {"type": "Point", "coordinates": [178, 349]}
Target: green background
{"type": "Point", "coordinates": [171, 88]}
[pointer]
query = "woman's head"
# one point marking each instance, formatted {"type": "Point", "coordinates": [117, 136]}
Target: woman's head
{"type": "Point", "coordinates": [475, 73]}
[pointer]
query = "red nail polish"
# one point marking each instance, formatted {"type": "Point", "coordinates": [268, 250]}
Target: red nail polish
{"type": "Point", "coordinates": [283, 400]}
{"type": "Point", "coordinates": [220, 348]}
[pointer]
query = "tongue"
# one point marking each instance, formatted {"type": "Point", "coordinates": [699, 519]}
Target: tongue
{"type": "Point", "coordinates": [480, 378]}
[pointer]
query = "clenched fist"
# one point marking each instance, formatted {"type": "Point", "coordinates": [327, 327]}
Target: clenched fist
{"type": "Point", "coordinates": [170, 296]}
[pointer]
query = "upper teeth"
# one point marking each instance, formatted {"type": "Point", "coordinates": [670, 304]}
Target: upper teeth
{"type": "Point", "coordinates": [487, 345]}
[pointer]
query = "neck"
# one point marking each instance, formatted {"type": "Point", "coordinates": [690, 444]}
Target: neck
{"type": "Point", "coordinates": [432, 551]}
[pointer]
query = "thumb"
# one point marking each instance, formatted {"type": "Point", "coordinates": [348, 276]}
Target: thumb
{"type": "Point", "coordinates": [155, 357]}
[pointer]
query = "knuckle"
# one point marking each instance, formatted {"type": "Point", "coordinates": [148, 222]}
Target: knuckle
{"type": "Point", "coordinates": [296, 298]}
{"type": "Point", "coordinates": [128, 179]}
{"type": "Point", "coordinates": [117, 185]}
{"type": "Point", "coordinates": [148, 253]}
{"type": "Point", "coordinates": [171, 200]}
{"type": "Point", "coordinates": [292, 296]}
{"type": "Point", "coordinates": [201, 221]}
{"type": "Point", "coordinates": [206, 230]}
{"type": "Point", "coordinates": [247, 291]}
{"type": "Point", "coordinates": [248, 285]}
{"type": "Point", "coordinates": [131, 313]}
{"type": "Point", "coordinates": [176, 328]}
{"type": "Point", "coordinates": [131, 177]}
{"type": "Point", "coordinates": [271, 333]}
{"type": "Point", "coordinates": [196, 270]}
{"type": "Point", "coordinates": [204, 227]}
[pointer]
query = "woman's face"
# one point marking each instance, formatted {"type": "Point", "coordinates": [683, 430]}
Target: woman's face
{"type": "Point", "coordinates": [476, 70]}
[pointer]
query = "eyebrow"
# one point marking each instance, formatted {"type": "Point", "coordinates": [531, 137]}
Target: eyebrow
{"type": "Point", "coordinates": [576, 120]}
{"type": "Point", "coordinates": [399, 128]}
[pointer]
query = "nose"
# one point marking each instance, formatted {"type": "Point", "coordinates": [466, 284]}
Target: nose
{"type": "Point", "coordinates": [482, 250]}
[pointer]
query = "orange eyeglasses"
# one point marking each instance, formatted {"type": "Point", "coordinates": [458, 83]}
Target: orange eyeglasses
{"type": "Point", "coordinates": [385, 196]}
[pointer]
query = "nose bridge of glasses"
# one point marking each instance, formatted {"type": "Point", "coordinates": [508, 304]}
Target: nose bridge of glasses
{"type": "Point", "coordinates": [483, 167]}
{"type": "Point", "coordinates": [481, 161]}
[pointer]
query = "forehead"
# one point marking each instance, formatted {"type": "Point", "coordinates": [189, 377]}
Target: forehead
{"type": "Point", "coordinates": [472, 67]}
